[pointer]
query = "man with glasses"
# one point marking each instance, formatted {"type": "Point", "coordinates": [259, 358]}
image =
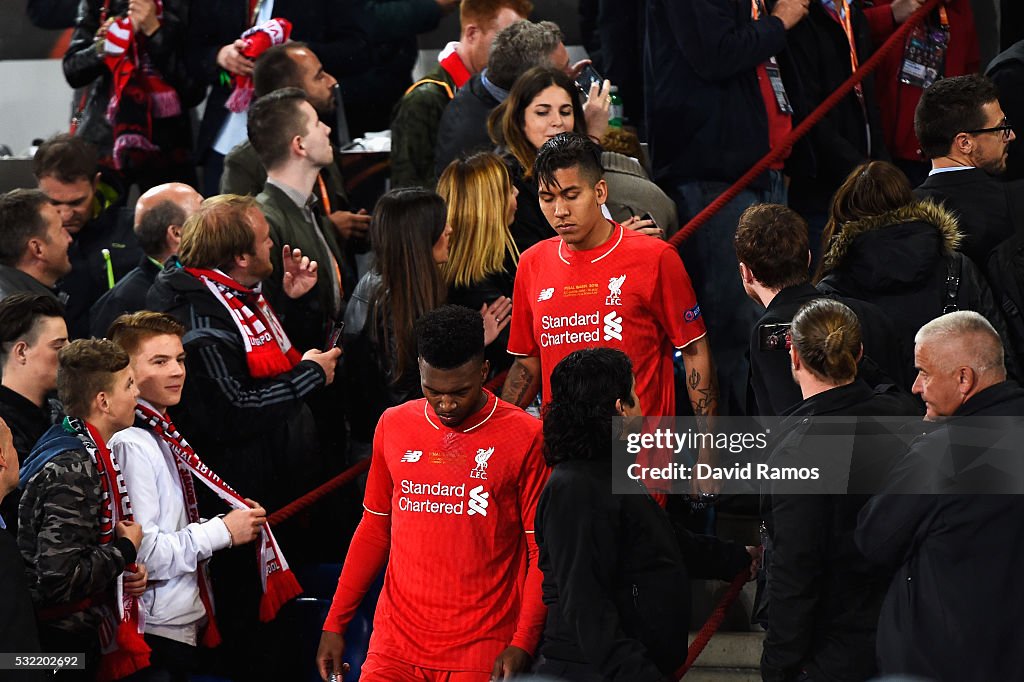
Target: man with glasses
{"type": "Point", "coordinates": [964, 132]}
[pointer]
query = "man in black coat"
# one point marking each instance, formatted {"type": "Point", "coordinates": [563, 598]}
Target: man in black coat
{"type": "Point", "coordinates": [711, 115]}
{"type": "Point", "coordinates": [953, 607]}
{"type": "Point", "coordinates": [160, 214]}
{"type": "Point", "coordinates": [771, 245]}
{"type": "Point", "coordinates": [103, 247]}
{"type": "Point", "coordinates": [963, 130]}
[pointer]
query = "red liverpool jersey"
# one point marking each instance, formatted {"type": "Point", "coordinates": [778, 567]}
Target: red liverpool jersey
{"type": "Point", "coordinates": [461, 501]}
{"type": "Point", "coordinates": [631, 293]}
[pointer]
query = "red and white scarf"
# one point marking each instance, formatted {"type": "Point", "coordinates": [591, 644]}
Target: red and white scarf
{"type": "Point", "coordinates": [268, 351]}
{"type": "Point", "coordinates": [279, 583]}
{"type": "Point", "coordinates": [138, 94]}
{"type": "Point", "coordinates": [123, 648]}
{"type": "Point", "coordinates": [257, 40]}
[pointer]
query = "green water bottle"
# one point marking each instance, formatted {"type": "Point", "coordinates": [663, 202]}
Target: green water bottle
{"type": "Point", "coordinates": [614, 108]}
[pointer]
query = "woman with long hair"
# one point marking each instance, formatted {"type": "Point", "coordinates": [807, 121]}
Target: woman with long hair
{"type": "Point", "coordinates": [882, 246]}
{"type": "Point", "coordinates": [409, 234]}
{"type": "Point", "coordinates": [483, 257]}
{"type": "Point", "coordinates": [821, 598]}
{"type": "Point", "coordinates": [544, 102]}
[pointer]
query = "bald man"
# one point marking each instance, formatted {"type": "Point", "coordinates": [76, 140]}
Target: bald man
{"type": "Point", "coordinates": [17, 617]}
{"type": "Point", "coordinates": [159, 215]}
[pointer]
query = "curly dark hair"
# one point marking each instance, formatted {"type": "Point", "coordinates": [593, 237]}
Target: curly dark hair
{"type": "Point", "coordinates": [568, 150]}
{"type": "Point", "coordinates": [450, 336]}
{"type": "Point", "coordinates": [772, 241]}
{"type": "Point", "coordinates": [584, 388]}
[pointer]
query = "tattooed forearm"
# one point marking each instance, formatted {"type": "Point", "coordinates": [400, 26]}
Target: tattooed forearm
{"type": "Point", "coordinates": [523, 382]}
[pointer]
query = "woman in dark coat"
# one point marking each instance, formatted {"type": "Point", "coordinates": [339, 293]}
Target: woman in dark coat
{"type": "Point", "coordinates": [821, 599]}
{"type": "Point", "coordinates": [882, 246]}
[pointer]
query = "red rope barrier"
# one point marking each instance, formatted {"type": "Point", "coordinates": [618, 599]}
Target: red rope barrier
{"type": "Point", "coordinates": [315, 495]}
{"type": "Point", "coordinates": [897, 38]}
{"type": "Point", "coordinates": [714, 622]}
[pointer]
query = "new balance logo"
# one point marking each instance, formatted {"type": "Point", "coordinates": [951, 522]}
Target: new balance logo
{"type": "Point", "coordinates": [412, 456]}
{"type": "Point", "coordinates": [612, 327]}
{"type": "Point", "coordinates": [545, 294]}
{"type": "Point", "coordinates": [478, 501]}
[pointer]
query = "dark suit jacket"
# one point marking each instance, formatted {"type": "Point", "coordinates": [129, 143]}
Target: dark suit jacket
{"type": "Point", "coordinates": [987, 210]}
{"type": "Point", "coordinates": [307, 318]}
{"type": "Point", "coordinates": [463, 128]}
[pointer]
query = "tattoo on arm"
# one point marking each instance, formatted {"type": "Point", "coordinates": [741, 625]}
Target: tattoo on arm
{"type": "Point", "coordinates": [518, 385]}
{"type": "Point", "coordinates": [703, 396]}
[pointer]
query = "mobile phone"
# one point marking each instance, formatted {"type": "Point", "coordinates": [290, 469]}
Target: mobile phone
{"type": "Point", "coordinates": [773, 337]}
{"type": "Point", "coordinates": [648, 216]}
{"type": "Point", "coordinates": [587, 77]}
{"type": "Point", "coordinates": [334, 336]}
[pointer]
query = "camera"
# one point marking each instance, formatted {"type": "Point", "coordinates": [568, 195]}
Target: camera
{"type": "Point", "coordinates": [773, 337]}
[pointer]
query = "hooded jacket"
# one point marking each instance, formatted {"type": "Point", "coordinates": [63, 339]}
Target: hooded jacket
{"type": "Point", "coordinates": [900, 261]}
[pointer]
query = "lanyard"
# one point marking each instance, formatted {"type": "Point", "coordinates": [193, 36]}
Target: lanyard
{"type": "Point", "coordinates": [756, 9]}
{"type": "Point", "coordinates": [841, 12]}
{"type": "Point", "coordinates": [324, 197]}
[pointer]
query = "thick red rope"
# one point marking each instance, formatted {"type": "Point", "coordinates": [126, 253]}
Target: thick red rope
{"type": "Point", "coordinates": [714, 622]}
{"type": "Point", "coordinates": [896, 39]}
{"type": "Point", "coordinates": [315, 495]}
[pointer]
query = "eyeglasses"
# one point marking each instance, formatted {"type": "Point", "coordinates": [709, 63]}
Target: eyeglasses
{"type": "Point", "coordinates": [1005, 129]}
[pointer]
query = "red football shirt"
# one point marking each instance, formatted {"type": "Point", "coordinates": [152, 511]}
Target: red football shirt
{"type": "Point", "coordinates": [631, 293]}
{"type": "Point", "coordinates": [462, 501]}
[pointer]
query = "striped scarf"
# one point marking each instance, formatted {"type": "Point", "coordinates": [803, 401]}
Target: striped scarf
{"type": "Point", "coordinates": [279, 584]}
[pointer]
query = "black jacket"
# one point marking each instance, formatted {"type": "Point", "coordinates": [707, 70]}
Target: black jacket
{"type": "Point", "coordinates": [127, 296]}
{"type": "Point", "coordinates": [258, 434]}
{"type": "Point", "coordinates": [987, 211]}
{"type": "Point", "coordinates": [27, 422]}
{"type": "Point", "coordinates": [530, 226]}
{"type": "Point", "coordinates": [1007, 71]}
{"type": "Point", "coordinates": [900, 261]}
{"type": "Point", "coordinates": [463, 128]}
{"type": "Point", "coordinates": [617, 575]}
{"type": "Point", "coordinates": [820, 52]}
{"type": "Point", "coordinates": [14, 281]}
{"type": "Point", "coordinates": [18, 630]}
{"type": "Point", "coordinates": [952, 612]}
{"type": "Point", "coordinates": [87, 282]}
{"type": "Point", "coordinates": [771, 379]}
{"type": "Point", "coordinates": [821, 599]}
{"type": "Point", "coordinates": [52, 14]}
{"type": "Point", "coordinates": [475, 296]}
{"type": "Point", "coordinates": [706, 118]}
{"type": "Point", "coordinates": [330, 28]}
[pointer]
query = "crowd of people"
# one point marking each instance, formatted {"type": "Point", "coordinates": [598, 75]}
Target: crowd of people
{"type": "Point", "coordinates": [177, 370]}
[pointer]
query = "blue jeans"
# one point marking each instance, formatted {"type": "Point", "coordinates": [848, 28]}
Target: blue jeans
{"type": "Point", "coordinates": [710, 260]}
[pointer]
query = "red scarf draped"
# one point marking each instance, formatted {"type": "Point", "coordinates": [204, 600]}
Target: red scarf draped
{"type": "Point", "coordinates": [268, 351]}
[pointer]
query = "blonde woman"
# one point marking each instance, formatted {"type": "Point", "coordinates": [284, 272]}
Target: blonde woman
{"type": "Point", "coordinates": [482, 256]}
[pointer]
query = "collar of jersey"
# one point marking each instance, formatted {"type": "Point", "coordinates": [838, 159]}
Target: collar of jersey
{"type": "Point", "coordinates": [481, 415]}
{"type": "Point", "coordinates": [613, 240]}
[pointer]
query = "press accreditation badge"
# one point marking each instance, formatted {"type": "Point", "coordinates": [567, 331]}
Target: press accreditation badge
{"type": "Point", "coordinates": [775, 78]}
{"type": "Point", "coordinates": [925, 55]}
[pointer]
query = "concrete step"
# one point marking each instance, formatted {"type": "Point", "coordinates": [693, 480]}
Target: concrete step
{"type": "Point", "coordinates": [731, 650]}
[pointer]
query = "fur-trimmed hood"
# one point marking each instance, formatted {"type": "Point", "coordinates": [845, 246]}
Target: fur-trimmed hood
{"type": "Point", "coordinates": [926, 212]}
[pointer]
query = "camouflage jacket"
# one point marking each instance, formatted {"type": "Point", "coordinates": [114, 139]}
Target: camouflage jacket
{"type": "Point", "coordinates": [58, 536]}
{"type": "Point", "coordinates": [414, 127]}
